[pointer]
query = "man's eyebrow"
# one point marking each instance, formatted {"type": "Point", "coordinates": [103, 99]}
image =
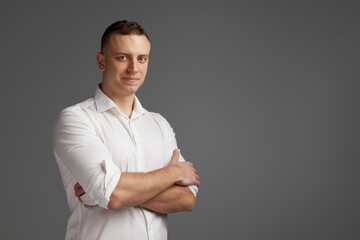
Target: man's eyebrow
{"type": "Point", "coordinates": [123, 53]}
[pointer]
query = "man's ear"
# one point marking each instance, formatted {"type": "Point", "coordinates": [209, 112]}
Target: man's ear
{"type": "Point", "coordinates": [100, 58]}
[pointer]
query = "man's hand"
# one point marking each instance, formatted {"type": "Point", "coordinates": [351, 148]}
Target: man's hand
{"type": "Point", "coordinates": [178, 197]}
{"type": "Point", "coordinates": [79, 191]}
{"type": "Point", "coordinates": [186, 171]}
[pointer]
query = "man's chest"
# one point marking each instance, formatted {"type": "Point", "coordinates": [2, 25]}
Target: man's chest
{"type": "Point", "coordinates": [135, 145]}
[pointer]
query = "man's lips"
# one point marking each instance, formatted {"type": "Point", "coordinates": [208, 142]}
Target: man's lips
{"type": "Point", "coordinates": [130, 79]}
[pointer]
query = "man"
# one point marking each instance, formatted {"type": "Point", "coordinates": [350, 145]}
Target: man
{"type": "Point", "coordinates": [121, 159]}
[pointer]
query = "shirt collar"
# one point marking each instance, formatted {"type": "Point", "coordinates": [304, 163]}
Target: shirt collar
{"type": "Point", "coordinates": [104, 103]}
{"type": "Point", "coordinates": [138, 109]}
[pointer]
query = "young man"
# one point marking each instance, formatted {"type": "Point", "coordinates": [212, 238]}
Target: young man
{"type": "Point", "coordinates": [121, 159]}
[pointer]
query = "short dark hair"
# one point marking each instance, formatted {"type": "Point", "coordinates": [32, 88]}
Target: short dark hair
{"type": "Point", "coordinates": [124, 28]}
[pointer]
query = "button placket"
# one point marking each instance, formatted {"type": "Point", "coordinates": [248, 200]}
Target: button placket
{"type": "Point", "coordinates": [133, 135]}
{"type": "Point", "coordinates": [150, 231]}
{"type": "Point", "coordinates": [137, 143]}
{"type": "Point", "coordinates": [125, 121]}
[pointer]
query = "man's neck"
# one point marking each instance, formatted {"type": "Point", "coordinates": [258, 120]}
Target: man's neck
{"type": "Point", "coordinates": [124, 102]}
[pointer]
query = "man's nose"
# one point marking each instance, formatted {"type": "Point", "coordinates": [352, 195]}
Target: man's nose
{"type": "Point", "coordinates": [133, 66]}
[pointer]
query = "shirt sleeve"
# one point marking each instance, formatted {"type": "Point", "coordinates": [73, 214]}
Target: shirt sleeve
{"type": "Point", "coordinates": [86, 157]}
{"type": "Point", "coordinates": [171, 144]}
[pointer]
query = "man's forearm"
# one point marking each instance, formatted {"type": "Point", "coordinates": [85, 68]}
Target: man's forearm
{"type": "Point", "coordinates": [174, 199]}
{"type": "Point", "coordinates": [133, 189]}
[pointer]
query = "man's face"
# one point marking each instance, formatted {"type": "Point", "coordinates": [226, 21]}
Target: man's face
{"type": "Point", "coordinates": [124, 63]}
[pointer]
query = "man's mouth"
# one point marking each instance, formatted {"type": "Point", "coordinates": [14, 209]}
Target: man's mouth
{"type": "Point", "coordinates": [131, 79]}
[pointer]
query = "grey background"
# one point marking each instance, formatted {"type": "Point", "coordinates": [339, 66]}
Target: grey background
{"type": "Point", "coordinates": [263, 95]}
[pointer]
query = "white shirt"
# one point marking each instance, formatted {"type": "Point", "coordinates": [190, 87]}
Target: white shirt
{"type": "Point", "coordinates": [93, 144]}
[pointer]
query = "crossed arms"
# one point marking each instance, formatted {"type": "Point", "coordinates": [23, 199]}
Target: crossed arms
{"type": "Point", "coordinates": [79, 148]}
{"type": "Point", "coordinates": [164, 190]}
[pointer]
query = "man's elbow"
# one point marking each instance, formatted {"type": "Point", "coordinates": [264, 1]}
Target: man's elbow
{"type": "Point", "coordinates": [116, 201]}
{"type": "Point", "coordinates": [113, 204]}
{"type": "Point", "coordinates": [190, 203]}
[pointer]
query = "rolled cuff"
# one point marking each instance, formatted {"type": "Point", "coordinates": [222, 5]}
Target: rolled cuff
{"type": "Point", "coordinates": [102, 185]}
{"type": "Point", "coordinates": [194, 189]}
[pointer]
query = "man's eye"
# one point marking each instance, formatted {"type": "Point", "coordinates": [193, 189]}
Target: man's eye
{"type": "Point", "coordinates": [122, 58]}
{"type": "Point", "coordinates": [142, 59]}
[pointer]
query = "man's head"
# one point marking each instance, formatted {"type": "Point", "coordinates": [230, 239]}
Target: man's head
{"type": "Point", "coordinates": [123, 59]}
{"type": "Point", "coordinates": [123, 28]}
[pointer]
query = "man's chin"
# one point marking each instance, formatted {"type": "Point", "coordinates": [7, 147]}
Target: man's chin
{"type": "Point", "coordinates": [130, 90]}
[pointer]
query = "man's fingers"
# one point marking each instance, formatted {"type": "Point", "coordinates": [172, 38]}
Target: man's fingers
{"type": "Point", "coordinates": [175, 156]}
{"type": "Point", "coordinates": [79, 192]}
{"type": "Point", "coordinates": [197, 183]}
{"type": "Point", "coordinates": [85, 205]}
{"type": "Point", "coordinates": [77, 185]}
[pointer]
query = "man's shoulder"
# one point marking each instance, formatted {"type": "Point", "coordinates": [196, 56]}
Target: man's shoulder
{"type": "Point", "coordinates": [82, 110]}
{"type": "Point", "coordinates": [81, 107]}
{"type": "Point", "coordinates": [154, 114]}
{"type": "Point", "coordinates": [160, 120]}
{"type": "Point", "coordinates": [157, 116]}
